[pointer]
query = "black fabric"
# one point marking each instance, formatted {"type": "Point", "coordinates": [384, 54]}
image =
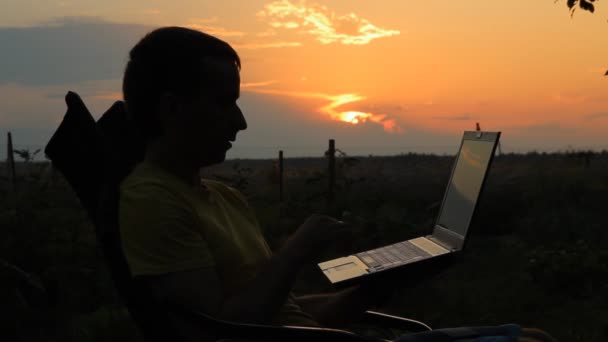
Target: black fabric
{"type": "Point", "coordinates": [90, 153]}
{"type": "Point", "coordinates": [122, 146]}
{"type": "Point", "coordinates": [74, 150]}
{"type": "Point", "coordinates": [94, 158]}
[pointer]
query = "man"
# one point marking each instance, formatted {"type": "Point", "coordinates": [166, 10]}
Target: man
{"type": "Point", "coordinates": [196, 242]}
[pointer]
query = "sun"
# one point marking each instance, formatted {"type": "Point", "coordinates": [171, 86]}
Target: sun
{"type": "Point", "coordinates": [354, 117]}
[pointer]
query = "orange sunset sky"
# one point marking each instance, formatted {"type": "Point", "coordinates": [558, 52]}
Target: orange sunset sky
{"type": "Point", "coordinates": [381, 77]}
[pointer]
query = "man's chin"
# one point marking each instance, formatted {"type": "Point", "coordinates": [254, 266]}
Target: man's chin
{"type": "Point", "coordinates": [217, 158]}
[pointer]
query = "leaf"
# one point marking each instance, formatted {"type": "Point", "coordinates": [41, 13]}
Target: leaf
{"type": "Point", "coordinates": [586, 5]}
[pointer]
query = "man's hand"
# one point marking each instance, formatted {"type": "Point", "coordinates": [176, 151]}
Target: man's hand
{"type": "Point", "coordinates": [312, 237]}
{"type": "Point", "coordinates": [343, 308]}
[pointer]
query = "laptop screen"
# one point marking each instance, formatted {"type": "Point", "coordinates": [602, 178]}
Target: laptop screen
{"type": "Point", "coordinates": [466, 182]}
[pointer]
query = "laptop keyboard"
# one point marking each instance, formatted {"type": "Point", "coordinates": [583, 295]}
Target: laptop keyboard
{"type": "Point", "coordinates": [392, 255]}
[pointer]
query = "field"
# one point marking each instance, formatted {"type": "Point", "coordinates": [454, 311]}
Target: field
{"type": "Point", "coordinates": [536, 255]}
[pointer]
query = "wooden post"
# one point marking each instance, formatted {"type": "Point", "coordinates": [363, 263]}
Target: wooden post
{"type": "Point", "coordinates": [10, 163]}
{"type": "Point", "coordinates": [331, 155]}
{"type": "Point", "coordinates": [281, 176]}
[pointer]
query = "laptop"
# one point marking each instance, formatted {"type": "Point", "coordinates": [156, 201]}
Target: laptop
{"type": "Point", "coordinates": [450, 232]}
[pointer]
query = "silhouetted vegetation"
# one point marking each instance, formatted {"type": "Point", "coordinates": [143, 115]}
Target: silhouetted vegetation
{"type": "Point", "coordinates": [536, 256]}
{"type": "Point", "coordinates": [586, 5]}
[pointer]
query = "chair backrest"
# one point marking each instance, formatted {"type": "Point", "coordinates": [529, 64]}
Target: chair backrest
{"type": "Point", "coordinates": [94, 157]}
{"type": "Point", "coordinates": [75, 148]}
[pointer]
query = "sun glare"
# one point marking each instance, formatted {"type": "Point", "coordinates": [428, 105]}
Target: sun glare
{"type": "Point", "coordinates": [390, 125]}
{"type": "Point", "coordinates": [354, 117]}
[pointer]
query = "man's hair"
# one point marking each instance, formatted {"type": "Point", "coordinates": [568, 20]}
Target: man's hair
{"type": "Point", "coordinates": [169, 59]}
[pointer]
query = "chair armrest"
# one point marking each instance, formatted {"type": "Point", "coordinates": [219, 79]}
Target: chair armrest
{"type": "Point", "coordinates": [382, 320]}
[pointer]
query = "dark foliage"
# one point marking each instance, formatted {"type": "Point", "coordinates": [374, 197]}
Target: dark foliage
{"type": "Point", "coordinates": [536, 257]}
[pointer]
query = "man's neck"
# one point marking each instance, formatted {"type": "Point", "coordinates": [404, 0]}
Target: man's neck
{"type": "Point", "coordinates": [173, 162]}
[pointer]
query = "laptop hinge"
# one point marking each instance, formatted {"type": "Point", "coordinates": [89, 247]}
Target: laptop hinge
{"type": "Point", "coordinates": [439, 242]}
{"type": "Point", "coordinates": [447, 238]}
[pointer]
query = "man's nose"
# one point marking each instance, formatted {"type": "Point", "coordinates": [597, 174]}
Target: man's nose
{"type": "Point", "coordinates": [240, 122]}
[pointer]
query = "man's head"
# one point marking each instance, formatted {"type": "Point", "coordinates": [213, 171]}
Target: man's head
{"type": "Point", "coordinates": [180, 87]}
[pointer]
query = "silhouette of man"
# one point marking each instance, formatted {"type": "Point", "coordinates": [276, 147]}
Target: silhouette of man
{"type": "Point", "coordinates": [196, 242]}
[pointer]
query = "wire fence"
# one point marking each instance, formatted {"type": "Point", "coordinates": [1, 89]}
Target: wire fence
{"type": "Point", "coordinates": [291, 151]}
{"type": "Point", "coordinates": [32, 148]}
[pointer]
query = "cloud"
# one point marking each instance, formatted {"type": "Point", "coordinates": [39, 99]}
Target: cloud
{"type": "Point", "coordinates": [541, 129]}
{"type": "Point", "coordinates": [66, 50]}
{"type": "Point", "coordinates": [331, 109]}
{"type": "Point", "coordinates": [570, 99]}
{"type": "Point", "coordinates": [320, 22]}
{"type": "Point", "coordinates": [208, 26]}
{"type": "Point", "coordinates": [42, 107]}
{"type": "Point", "coordinates": [595, 116]}
{"type": "Point", "coordinates": [383, 107]}
{"type": "Point", "coordinates": [275, 123]}
{"type": "Point", "coordinates": [464, 117]}
{"type": "Point", "coordinates": [245, 85]}
{"type": "Point", "coordinates": [104, 89]}
{"type": "Point", "coordinates": [80, 49]}
{"type": "Point", "coordinates": [152, 11]}
{"type": "Point", "coordinates": [265, 45]}
{"type": "Point", "coordinates": [205, 25]}
{"type": "Point", "coordinates": [267, 33]}
{"type": "Point", "coordinates": [597, 70]}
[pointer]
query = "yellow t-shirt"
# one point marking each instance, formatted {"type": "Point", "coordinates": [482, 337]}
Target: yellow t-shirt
{"type": "Point", "coordinates": [168, 226]}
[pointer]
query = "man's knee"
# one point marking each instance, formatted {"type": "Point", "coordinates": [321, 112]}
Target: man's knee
{"type": "Point", "coordinates": [535, 335]}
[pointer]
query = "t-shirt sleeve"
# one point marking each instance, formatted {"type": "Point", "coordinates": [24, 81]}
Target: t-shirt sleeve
{"type": "Point", "coordinates": [160, 232]}
{"type": "Point", "coordinates": [243, 203]}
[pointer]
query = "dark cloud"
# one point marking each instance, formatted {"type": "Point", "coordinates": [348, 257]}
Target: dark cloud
{"type": "Point", "coordinates": [595, 116]}
{"type": "Point", "coordinates": [464, 117]}
{"type": "Point", "coordinates": [66, 50]}
{"type": "Point", "coordinates": [382, 108]}
{"type": "Point", "coordinates": [275, 123]}
{"type": "Point", "coordinates": [547, 127]}
{"type": "Point", "coordinates": [543, 136]}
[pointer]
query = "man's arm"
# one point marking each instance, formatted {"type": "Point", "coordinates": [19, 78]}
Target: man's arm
{"type": "Point", "coordinates": [201, 289]}
{"type": "Point", "coordinates": [262, 298]}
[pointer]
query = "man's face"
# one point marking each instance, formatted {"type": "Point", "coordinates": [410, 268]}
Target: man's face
{"type": "Point", "coordinates": [210, 121]}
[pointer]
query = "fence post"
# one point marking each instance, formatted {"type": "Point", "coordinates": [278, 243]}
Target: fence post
{"type": "Point", "coordinates": [10, 163]}
{"type": "Point", "coordinates": [331, 155]}
{"type": "Point", "coordinates": [281, 176]}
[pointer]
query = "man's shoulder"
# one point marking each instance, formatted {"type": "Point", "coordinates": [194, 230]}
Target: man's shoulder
{"type": "Point", "coordinates": [143, 183]}
{"type": "Point", "coordinates": [149, 199]}
{"type": "Point", "coordinates": [226, 190]}
{"type": "Point", "coordinates": [145, 176]}
{"type": "Point", "coordinates": [218, 185]}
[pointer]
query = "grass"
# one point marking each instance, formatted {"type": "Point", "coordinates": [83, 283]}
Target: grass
{"type": "Point", "coordinates": [536, 255]}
